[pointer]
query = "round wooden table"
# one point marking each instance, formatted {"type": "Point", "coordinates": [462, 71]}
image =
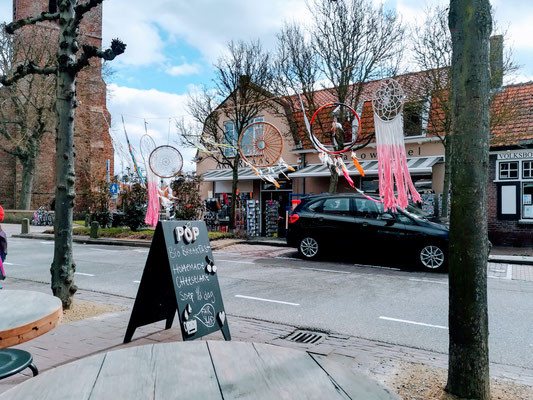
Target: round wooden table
{"type": "Point", "coordinates": [26, 315]}
{"type": "Point", "coordinates": [201, 370]}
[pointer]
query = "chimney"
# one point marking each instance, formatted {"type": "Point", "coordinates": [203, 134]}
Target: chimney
{"type": "Point", "coordinates": [496, 62]}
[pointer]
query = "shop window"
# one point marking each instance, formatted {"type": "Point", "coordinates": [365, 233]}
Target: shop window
{"type": "Point", "coordinates": [527, 169]}
{"type": "Point", "coordinates": [527, 201]}
{"type": "Point", "coordinates": [339, 206]}
{"type": "Point", "coordinates": [509, 170]}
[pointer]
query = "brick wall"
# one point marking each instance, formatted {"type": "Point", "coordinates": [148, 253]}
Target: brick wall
{"type": "Point", "coordinates": [92, 141]}
{"type": "Point", "coordinates": [503, 232]}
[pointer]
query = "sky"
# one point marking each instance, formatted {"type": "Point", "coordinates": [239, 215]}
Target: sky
{"type": "Point", "coordinates": [171, 51]}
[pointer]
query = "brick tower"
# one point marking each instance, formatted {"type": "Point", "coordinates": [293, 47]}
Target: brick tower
{"type": "Point", "coordinates": [93, 144]}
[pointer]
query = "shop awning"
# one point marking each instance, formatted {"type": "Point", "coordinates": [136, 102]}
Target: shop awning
{"type": "Point", "coordinates": [227, 174]}
{"type": "Point", "coordinates": [416, 165]}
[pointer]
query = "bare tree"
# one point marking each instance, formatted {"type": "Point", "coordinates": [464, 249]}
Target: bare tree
{"type": "Point", "coordinates": [432, 53]}
{"type": "Point", "coordinates": [221, 114]}
{"type": "Point", "coordinates": [470, 25]}
{"type": "Point", "coordinates": [356, 42]}
{"type": "Point", "coordinates": [68, 14]}
{"type": "Point", "coordinates": [27, 112]}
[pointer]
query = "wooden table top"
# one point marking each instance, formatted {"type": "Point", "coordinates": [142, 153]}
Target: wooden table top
{"type": "Point", "coordinates": [26, 315]}
{"type": "Point", "coordinates": [201, 370]}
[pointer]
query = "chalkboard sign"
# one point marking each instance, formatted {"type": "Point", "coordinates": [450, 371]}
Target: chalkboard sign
{"type": "Point", "coordinates": [180, 275]}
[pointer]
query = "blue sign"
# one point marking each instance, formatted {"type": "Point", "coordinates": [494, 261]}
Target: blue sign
{"type": "Point", "coordinates": [113, 188]}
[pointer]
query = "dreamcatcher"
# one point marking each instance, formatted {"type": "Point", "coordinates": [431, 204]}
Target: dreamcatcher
{"type": "Point", "coordinates": [334, 122]}
{"type": "Point", "coordinates": [164, 162]}
{"type": "Point", "coordinates": [392, 163]}
{"type": "Point", "coordinates": [260, 147]}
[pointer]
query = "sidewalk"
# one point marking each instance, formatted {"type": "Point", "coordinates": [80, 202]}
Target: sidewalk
{"type": "Point", "coordinates": [69, 342]}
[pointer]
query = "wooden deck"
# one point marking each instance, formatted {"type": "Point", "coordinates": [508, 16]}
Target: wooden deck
{"type": "Point", "coordinates": [201, 370]}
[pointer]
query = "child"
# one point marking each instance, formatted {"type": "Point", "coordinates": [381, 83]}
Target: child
{"type": "Point", "coordinates": [3, 247]}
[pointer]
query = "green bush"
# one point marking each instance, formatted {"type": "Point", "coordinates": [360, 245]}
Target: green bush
{"type": "Point", "coordinates": [134, 206]}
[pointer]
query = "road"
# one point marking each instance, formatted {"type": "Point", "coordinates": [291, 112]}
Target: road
{"type": "Point", "coordinates": [384, 304]}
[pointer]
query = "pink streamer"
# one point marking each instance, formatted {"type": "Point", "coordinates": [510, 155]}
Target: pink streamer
{"type": "Point", "coordinates": [393, 171]}
{"type": "Point", "coordinates": [152, 213]}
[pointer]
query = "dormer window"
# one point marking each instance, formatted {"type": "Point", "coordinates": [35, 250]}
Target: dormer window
{"type": "Point", "coordinates": [415, 117]}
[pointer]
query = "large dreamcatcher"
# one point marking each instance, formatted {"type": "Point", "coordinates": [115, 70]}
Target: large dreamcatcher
{"type": "Point", "coordinates": [333, 130]}
{"type": "Point", "coordinates": [393, 172]}
{"type": "Point", "coordinates": [261, 147]}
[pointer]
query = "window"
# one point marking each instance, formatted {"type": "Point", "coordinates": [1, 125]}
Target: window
{"type": "Point", "coordinates": [415, 117]}
{"type": "Point", "coordinates": [527, 169]}
{"type": "Point", "coordinates": [336, 206]}
{"type": "Point", "coordinates": [509, 170]}
{"type": "Point", "coordinates": [314, 206]}
{"type": "Point", "coordinates": [52, 6]}
{"type": "Point", "coordinates": [527, 201]}
{"type": "Point", "coordinates": [231, 138]}
{"type": "Point", "coordinates": [365, 208]}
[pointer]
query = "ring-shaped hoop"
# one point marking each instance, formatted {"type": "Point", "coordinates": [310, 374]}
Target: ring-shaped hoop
{"type": "Point", "coordinates": [261, 141]}
{"type": "Point", "coordinates": [172, 161]}
{"type": "Point", "coordinates": [323, 148]}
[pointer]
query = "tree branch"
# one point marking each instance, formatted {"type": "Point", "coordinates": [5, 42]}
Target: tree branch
{"type": "Point", "coordinates": [13, 26]}
{"type": "Point", "coordinates": [23, 70]}
{"type": "Point", "coordinates": [117, 48]}
{"type": "Point", "coordinates": [81, 9]}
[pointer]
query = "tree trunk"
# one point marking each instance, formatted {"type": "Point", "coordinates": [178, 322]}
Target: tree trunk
{"type": "Point", "coordinates": [447, 177]}
{"type": "Point", "coordinates": [468, 368]}
{"type": "Point", "coordinates": [63, 266]}
{"type": "Point", "coordinates": [234, 182]}
{"type": "Point", "coordinates": [333, 179]}
{"type": "Point", "coordinates": [28, 173]}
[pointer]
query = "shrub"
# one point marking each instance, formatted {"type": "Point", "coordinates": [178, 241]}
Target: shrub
{"type": "Point", "coordinates": [187, 201]}
{"type": "Point", "coordinates": [134, 206]}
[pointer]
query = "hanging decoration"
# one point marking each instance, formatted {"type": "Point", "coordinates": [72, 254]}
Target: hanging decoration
{"type": "Point", "coordinates": [260, 147]}
{"type": "Point", "coordinates": [334, 122]}
{"type": "Point", "coordinates": [392, 162]}
{"type": "Point", "coordinates": [147, 145]}
{"type": "Point", "coordinates": [132, 155]}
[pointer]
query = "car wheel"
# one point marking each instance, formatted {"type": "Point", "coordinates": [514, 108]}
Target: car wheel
{"type": "Point", "coordinates": [308, 248]}
{"type": "Point", "coordinates": [432, 257]}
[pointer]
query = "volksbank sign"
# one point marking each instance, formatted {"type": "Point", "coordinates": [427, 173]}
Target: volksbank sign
{"type": "Point", "coordinates": [515, 155]}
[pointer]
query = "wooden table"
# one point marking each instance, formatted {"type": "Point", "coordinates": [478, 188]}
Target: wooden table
{"type": "Point", "coordinates": [24, 315]}
{"type": "Point", "coordinates": [201, 370]}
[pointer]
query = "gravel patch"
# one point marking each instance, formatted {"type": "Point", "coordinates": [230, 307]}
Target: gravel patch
{"type": "Point", "coordinates": [82, 309]}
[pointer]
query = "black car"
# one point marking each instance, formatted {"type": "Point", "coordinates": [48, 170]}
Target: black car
{"type": "Point", "coordinates": [352, 223]}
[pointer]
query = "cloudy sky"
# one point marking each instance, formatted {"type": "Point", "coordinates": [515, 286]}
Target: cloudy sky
{"type": "Point", "coordinates": [172, 44]}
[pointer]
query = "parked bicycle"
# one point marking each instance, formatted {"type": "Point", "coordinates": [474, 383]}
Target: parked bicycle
{"type": "Point", "coordinates": [42, 217]}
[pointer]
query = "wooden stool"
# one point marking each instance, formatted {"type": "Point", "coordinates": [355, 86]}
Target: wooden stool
{"type": "Point", "coordinates": [13, 361]}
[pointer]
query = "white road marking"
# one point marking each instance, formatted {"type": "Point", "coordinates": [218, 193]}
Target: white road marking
{"type": "Point", "coordinates": [428, 280]}
{"type": "Point", "coordinates": [326, 270]}
{"type": "Point", "coordinates": [268, 300]}
{"type": "Point", "coordinates": [238, 262]}
{"type": "Point", "coordinates": [82, 273]}
{"type": "Point", "coordinates": [141, 250]}
{"type": "Point", "coordinates": [136, 281]}
{"type": "Point", "coordinates": [288, 258]}
{"type": "Point", "coordinates": [413, 322]}
{"type": "Point", "coordinates": [47, 242]}
{"type": "Point", "coordinates": [6, 263]}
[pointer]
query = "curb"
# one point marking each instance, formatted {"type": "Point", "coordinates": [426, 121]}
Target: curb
{"type": "Point", "coordinates": [520, 260]}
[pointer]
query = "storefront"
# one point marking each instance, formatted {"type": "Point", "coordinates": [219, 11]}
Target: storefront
{"type": "Point", "coordinates": [511, 197]}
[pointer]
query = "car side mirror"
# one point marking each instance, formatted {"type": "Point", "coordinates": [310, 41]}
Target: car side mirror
{"type": "Point", "coordinates": [388, 218]}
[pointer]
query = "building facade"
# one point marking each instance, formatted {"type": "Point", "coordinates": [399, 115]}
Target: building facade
{"type": "Point", "coordinates": [511, 164]}
{"type": "Point", "coordinates": [94, 149]}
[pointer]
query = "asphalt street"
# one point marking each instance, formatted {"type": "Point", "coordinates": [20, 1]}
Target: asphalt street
{"type": "Point", "coordinates": [269, 283]}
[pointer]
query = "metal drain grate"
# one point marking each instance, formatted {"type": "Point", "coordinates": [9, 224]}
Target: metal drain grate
{"type": "Point", "coordinates": [306, 337]}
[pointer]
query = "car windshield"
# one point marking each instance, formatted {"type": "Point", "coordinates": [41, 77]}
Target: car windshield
{"type": "Point", "coordinates": [416, 212]}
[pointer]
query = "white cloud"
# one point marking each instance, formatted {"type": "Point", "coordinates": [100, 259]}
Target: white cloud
{"type": "Point", "coordinates": [158, 109]}
{"type": "Point", "coordinates": [184, 69]}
